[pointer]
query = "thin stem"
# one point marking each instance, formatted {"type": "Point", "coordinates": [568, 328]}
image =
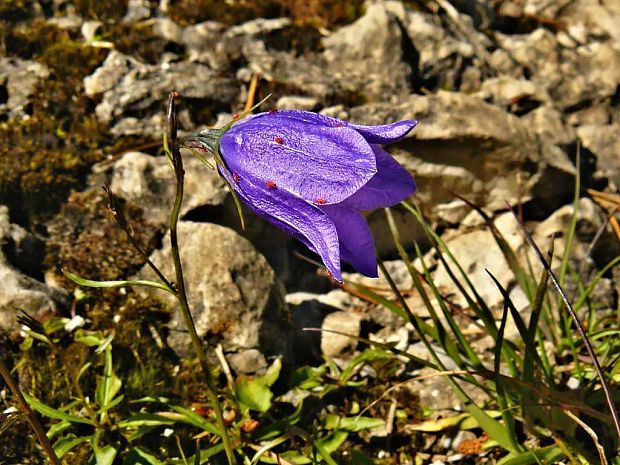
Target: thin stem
{"type": "Point", "coordinates": [30, 415]}
{"type": "Point", "coordinates": [181, 293]}
{"type": "Point", "coordinates": [119, 216]}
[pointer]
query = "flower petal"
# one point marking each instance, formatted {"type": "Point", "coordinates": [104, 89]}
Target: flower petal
{"type": "Point", "coordinates": [316, 162]}
{"type": "Point", "coordinates": [390, 185]}
{"type": "Point", "coordinates": [381, 134]}
{"type": "Point", "coordinates": [293, 215]}
{"type": "Point", "coordinates": [356, 243]}
{"type": "Point", "coordinates": [385, 133]}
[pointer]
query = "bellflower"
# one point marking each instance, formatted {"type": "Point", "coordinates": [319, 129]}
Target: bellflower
{"type": "Point", "coordinates": [311, 175]}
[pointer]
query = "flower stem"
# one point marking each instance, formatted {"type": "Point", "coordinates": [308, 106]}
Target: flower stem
{"type": "Point", "coordinates": [181, 293]}
{"type": "Point", "coordinates": [30, 415]}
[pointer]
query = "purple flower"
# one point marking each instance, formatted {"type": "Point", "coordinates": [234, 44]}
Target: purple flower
{"type": "Point", "coordinates": [311, 175]}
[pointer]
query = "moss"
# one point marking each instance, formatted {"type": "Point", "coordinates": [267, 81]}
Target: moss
{"type": "Point", "coordinates": [45, 156]}
{"type": "Point", "coordinates": [15, 10]}
{"type": "Point", "coordinates": [317, 13]}
{"type": "Point", "coordinates": [138, 40]}
{"type": "Point", "coordinates": [84, 239]}
{"type": "Point", "coordinates": [32, 39]}
{"type": "Point", "coordinates": [38, 167]}
{"type": "Point", "coordinates": [96, 9]}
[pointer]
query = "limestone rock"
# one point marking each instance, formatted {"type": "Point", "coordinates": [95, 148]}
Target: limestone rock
{"type": "Point", "coordinates": [18, 290]}
{"type": "Point", "coordinates": [436, 55]}
{"type": "Point", "coordinates": [473, 149]}
{"type": "Point", "coordinates": [137, 10]}
{"type": "Point", "coordinates": [572, 76]}
{"type": "Point", "coordinates": [590, 225]}
{"type": "Point", "coordinates": [18, 81]}
{"type": "Point", "coordinates": [503, 91]}
{"type": "Point", "coordinates": [305, 74]}
{"type": "Point", "coordinates": [149, 182]}
{"type": "Point", "coordinates": [546, 121]}
{"type": "Point", "coordinates": [233, 293]}
{"type": "Point", "coordinates": [133, 93]}
{"type": "Point", "coordinates": [339, 345]}
{"type": "Point", "coordinates": [477, 251]}
{"type": "Point", "coordinates": [297, 102]}
{"type": "Point", "coordinates": [362, 68]}
{"type": "Point", "coordinates": [604, 142]}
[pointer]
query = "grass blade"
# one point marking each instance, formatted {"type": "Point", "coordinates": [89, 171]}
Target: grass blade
{"type": "Point", "coordinates": [580, 329]}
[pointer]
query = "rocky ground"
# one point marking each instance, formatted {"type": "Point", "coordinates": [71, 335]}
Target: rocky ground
{"type": "Point", "coordinates": [509, 94]}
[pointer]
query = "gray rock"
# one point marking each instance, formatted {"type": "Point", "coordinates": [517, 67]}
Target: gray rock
{"type": "Point", "coordinates": [115, 66]}
{"type": "Point", "coordinates": [604, 142]}
{"type": "Point", "coordinates": [257, 27]}
{"type": "Point", "coordinates": [134, 93]}
{"type": "Point", "coordinates": [169, 30]}
{"type": "Point", "coordinates": [361, 68]}
{"type": "Point", "coordinates": [597, 114]}
{"type": "Point", "coordinates": [137, 10]}
{"type": "Point", "coordinates": [593, 247]}
{"type": "Point", "coordinates": [248, 362]}
{"type": "Point", "coordinates": [234, 296]}
{"type": "Point", "coordinates": [590, 224]}
{"type": "Point", "coordinates": [596, 19]}
{"type": "Point", "coordinates": [309, 311]}
{"type": "Point", "coordinates": [547, 122]}
{"type": "Point", "coordinates": [18, 291]}
{"type": "Point", "coordinates": [339, 345]}
{"type": "Point", "coordinates": [202, 42]}
{"type": "Point", "coordinates": [297, 102]}
{"type": "Point", "coordinates": [436, 393]}
{"type": "Point", "coordinates": [474, 149]}
{"type": "Point", "coordinates": [439, 55]}
{"type": "Point", "coordinates": [245, 42]}
{"type": "Point", "coordinates": [504, 90]}
{"type": "Point", "coordinates": [19, 80]}
{"type": "Point", "coordinates": [477, 251]}
{"type": "Point", "coordinates": [305, 74]}
{"type": "Point", "coordinates": [149, 182]}
{"type": "Point", "coordinates": [571, 76]}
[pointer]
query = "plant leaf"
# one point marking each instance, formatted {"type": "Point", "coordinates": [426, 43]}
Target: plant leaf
{"type": "Point", "coordinates": [65, 444]}
{"type": "Point", "coordinates": [253, 393]}
{"type": "Point", "coordinates": [121, 283]}
{"type": "Point", "coordinates": [54, 413]}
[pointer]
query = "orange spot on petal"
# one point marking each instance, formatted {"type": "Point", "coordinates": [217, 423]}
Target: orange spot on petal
{"type": "Point", "coordinates": [236, 177]}
{"type": "Point", "coordinates": [320, 201]}
{"type": "Point", "coordinates": [271, 185]}
{"type": "Point", "coordinates": [278, 140]}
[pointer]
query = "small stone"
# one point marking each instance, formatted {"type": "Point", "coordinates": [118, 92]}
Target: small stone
{"type": "Point", "coordinates": [297, 102]}
{"type": "Point", "coordinates": [137, 10]}
{"type": "Point", "coordinates": [248, 362]}
{"type": "Point", "coordinates": [337, 345]}
{"type": "Point", "coordinates": [90, 29]}
{"type": "Point", "coordinates": [18, 290]}
{"type": "Point", "coordinates": [604, 142]}
{"type": "Point", "coordinates": [18, 81]}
